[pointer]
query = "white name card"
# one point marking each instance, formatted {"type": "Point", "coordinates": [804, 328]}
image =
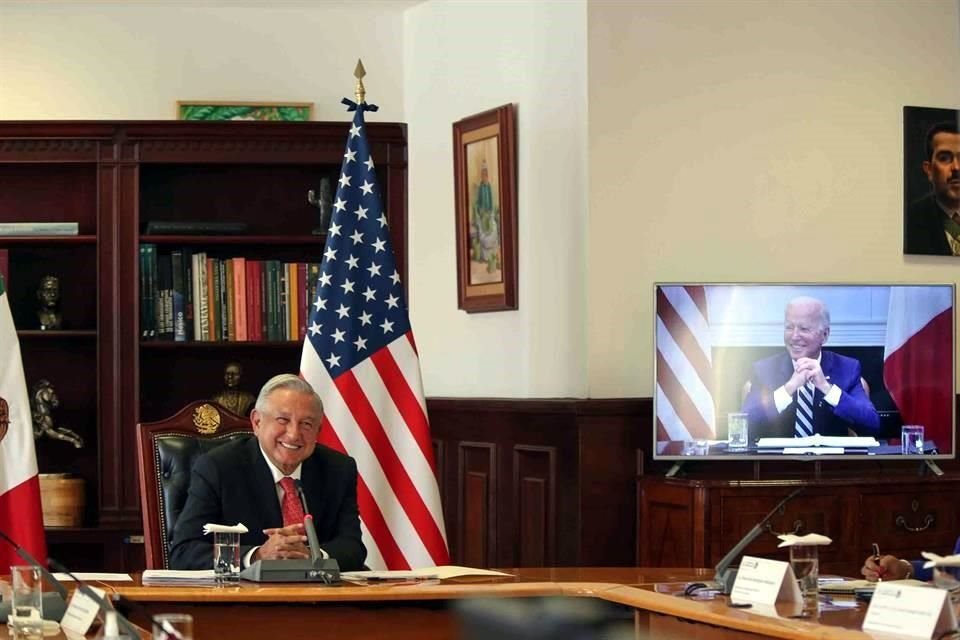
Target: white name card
{"type": "Point", "coordinates": [81, 612]}
{"type": "Point", "coordinates": [917, 612]}
{"type": "Point", "coordinates": [765, 581]}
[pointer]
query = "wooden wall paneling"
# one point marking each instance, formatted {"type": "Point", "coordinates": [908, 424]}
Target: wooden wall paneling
{"type": "Point", "coordinates": [477, 492]}
{"type": "Point", "coordinates": [535, 505]}
{"type": "Point", "coordinates": [668, 524]}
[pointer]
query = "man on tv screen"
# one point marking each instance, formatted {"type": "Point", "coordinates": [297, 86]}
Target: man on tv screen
{"type": "Point", "coordinates": [807, 389]}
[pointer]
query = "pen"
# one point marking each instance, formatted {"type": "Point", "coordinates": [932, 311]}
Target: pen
{"type": "Point", "coordinates": [876, 559]}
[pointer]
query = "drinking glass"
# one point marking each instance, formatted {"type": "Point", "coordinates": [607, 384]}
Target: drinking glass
{"type": "Point", "coordinates": [737, 433]}
{"type": "Point", "coordinates": [26, 612]}
{"type": "Point", "coordinates": [805, 562]}
{"type": "Point", "coordinates": [173, 626]}
{"type": "Point", "coordinates": [911, 439]}
{"type": "Point", "coordinates": [226, 557]}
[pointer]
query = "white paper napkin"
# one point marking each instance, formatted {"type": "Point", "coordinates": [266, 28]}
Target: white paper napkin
{"type": "Point", "coordinates": [224, 528]}
{"type": "Point", "coordinates": [790, 539]}
{"type": "Point", "coordinates": [933, 560]}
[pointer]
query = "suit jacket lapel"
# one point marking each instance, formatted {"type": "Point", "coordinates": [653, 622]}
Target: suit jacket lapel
{"type": "Point", "coordinates": [263, 487]}
{"type": "Point", "coordinates": [311, 476]}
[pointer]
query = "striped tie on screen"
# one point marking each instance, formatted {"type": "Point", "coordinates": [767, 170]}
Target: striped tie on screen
{"type": "Point", "coordinates": [804, 424]}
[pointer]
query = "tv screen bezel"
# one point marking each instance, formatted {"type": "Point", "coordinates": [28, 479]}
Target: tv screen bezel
{"type": "Point", "coordinates": [742, 457]}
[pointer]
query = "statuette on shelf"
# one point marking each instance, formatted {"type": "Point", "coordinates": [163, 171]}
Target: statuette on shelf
{"type": "Point", "coordinates": [232, 398]}
{"type": "Point", "coordinates": [43, 400]}
{"type": "Point", "coordinates": [324, 203]}
{"type": "Point", "coordinates": [48, 295]}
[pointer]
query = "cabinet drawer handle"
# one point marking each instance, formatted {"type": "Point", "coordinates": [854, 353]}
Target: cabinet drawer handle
{"type": "Point", "coordinates": [797, 528]}
{"type": "Point", "coordinates": [927, 522]}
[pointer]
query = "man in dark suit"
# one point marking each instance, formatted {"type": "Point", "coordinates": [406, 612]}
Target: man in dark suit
{"type": "Point", "coordinates": [932, 223]}
{"type": "Point", "coordinates": [244, 482]}
{"type": "Point", "coordinates": [808, 390]}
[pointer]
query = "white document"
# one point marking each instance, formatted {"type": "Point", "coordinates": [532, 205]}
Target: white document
{"type": "Point", "coordinates": [817, 440]}
{"type": "Point", "coordinates": [171, 576]}
{"type": "Point", "coordinates": [426, 573]}
{"type": "Point", "coordinates": [764, 581]}
{"type": "Point", "coordinates": [917, 612]}
{"type": "Point", "coordinates": [81, 612]}
{"type": "Point", "coordinates": [95, 577]}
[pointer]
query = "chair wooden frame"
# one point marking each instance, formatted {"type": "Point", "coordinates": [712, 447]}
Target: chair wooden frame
{"type": "Point", "coordinates": [201, 419]}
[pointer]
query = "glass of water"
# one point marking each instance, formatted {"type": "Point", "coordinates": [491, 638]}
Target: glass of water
{"type": "Point", "coordinates": [226, 557]}
{"type": "Point", "coordinates": [26, 613]}
{"type": "Point", "coordinates": [737, 434]}
{"type": "Point", "coordinates": [173, 626]}
{"type": "Point", "coordinates": [805, 562]}
{"type": "Point", "coordinates": [911, 439]}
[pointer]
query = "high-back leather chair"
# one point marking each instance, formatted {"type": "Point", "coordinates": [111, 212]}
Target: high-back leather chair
{"type": "Point", "coordinates": [166, 451]}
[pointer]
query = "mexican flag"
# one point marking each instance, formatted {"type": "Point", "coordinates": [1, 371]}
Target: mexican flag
{"type": "Point", "coordinates": [20, 514]}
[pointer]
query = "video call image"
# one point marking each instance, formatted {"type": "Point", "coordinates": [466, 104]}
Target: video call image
{"type": "Point", "coordinates": [766, 370]}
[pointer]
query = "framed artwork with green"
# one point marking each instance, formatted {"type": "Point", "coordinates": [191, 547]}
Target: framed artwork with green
{"type": "Point", "coordinates": [260, 111]}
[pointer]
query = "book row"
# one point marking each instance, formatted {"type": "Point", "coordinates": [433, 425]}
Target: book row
{"type": "Point", "coordinates": [190, 296]}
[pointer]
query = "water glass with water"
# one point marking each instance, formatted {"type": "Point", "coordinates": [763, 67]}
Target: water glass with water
{"type": "Point", "coordinates": [226, 557]}
{"type": "Point", "coordinates": [805, 562]}
{"type": "Point", "coordinates": [911, 439]}
{"type": "Point", "coordinates": [173, 626]}
{"type": "Point", "coordinates": [737, 433]}
{"type": "Point", "coordinates": [26, 612]}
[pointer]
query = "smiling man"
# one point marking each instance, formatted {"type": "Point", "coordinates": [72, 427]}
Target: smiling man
{"type": "Point", "coordinates": [255, 481]}
{"type": "Point", "coordinates": [807, 389]}
{"type": "Point", "coordinates": [932, 224]}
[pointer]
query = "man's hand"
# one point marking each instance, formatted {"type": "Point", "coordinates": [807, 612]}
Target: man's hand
{"type": "Point", "coordinates": [797, 380]}
{"type": "Point", "coordinates": [812, 372]}
{"type": "Point", "coordinates": [283, 543]}
{"type": "Point", "coordinates": [888, 568]}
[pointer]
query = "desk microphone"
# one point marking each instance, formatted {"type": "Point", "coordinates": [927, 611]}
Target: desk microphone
{"type": "Point", "coordinates": [54, 604]}
{"type": "Point", "coordinates": [725, 576]}
{"type": "Point", "coordinates": [312, 541]}
{"type": "Point", "coordinates": [104, 605]}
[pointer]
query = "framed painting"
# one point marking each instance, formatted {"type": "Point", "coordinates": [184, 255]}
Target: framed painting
{"type": "Point", "coordinates": [931, 188]}
{"type": "Point", "coordinates": [261, 111]}
{"type": "Point", "coordinates": [485, 186]}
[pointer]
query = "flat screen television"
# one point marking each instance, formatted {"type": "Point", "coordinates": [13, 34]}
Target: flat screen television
{"type": "Point", "coordinates": [829, 371]}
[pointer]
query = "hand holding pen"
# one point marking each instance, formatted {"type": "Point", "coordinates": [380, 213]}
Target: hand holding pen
{"type": "Point", "coordinates": [876, 560]}
{"type": "Point", "coordinates": [877, 567]}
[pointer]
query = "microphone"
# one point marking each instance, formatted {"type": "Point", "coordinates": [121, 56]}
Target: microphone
{"type": "Point", "coordinates": [104, 605]}
{"type": "Point", "coordinates": [54, 604]}
{"type": "Point", "coordinates": [724, 575]}
{"type": "Point", "coordinates": [312, 541]}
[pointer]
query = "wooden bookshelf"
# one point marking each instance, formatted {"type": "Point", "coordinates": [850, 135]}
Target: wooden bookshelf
{"type": "Point", "coordinates": [112, 178]}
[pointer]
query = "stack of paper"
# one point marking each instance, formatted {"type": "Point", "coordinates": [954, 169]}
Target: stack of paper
{"type": "Point", "coordinates": [445, 572]}
{"type": "Point", "coordinates": [157, 577]}
{"type": "Point", "coordinates": [817, 440]}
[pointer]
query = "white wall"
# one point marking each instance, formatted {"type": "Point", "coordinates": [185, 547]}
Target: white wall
{"type": "Point", "coordinates": [750, 140]}
{"type": "Point", "coordinates": [462, 58]}
{"type": "Point", "coordinates": [135, 59]}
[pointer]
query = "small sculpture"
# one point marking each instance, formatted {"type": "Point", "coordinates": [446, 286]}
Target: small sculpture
{"type": "Point", "coordinates": [48, 293]}
{"type": "Point", "coordinates": [43, 400]}
{"type": "Point", "coordinates": [324, 203]}
{"type": "Point", "coordinates": [232, 398]}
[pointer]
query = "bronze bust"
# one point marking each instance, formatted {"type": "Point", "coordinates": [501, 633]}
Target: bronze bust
{"type": "Point", "coordinates": [232, 398]}
{"type": "Point", "coordinates": [48, 293]}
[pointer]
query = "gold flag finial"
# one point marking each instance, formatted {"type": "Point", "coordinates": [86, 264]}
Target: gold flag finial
{"type": "Point", "coordinates": [358, 73]}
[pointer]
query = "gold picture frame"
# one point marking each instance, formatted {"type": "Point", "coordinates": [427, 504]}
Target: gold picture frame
{"type": "Point", "coordinates": [257, 111]}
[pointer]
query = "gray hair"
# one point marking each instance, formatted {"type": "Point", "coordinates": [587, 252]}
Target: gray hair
{"type": "Point", "coordinates": [286, 381]}
{"type": "Point", "coordinates": [821, 307]}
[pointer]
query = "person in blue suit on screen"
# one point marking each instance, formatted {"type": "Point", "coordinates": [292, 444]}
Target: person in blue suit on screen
{"type": "Point", "coordinates": [807, 389]}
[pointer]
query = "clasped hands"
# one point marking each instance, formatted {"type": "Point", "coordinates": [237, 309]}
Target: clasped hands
{"type": "Point", "coordinates": [283, 543]}
{"type": "Point", "coordinates": [806, 370]}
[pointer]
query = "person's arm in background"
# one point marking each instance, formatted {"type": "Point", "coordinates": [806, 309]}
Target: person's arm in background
{"type": "Point", "coordinates": [855, 406]}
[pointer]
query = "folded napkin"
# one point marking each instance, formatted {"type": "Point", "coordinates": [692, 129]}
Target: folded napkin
{"type": "Point", "coordinates": [224, 528]}
{"type": "Point", "coordinates": [933, 560]}
{"type": "Point", "coordinates": [790, 539]}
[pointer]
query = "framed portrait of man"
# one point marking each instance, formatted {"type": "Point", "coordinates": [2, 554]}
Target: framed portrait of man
{"type": "Point", "coordinates": [931, 181]}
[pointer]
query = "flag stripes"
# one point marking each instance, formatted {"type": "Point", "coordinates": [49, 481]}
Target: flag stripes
{"type": "Point", "coordinates": [685, 404]}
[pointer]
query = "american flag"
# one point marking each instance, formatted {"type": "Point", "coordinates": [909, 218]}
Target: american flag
{"type": "Point", "coordinates": [360, 356]}
{"type": "Point", "coordinates": [685, 404]}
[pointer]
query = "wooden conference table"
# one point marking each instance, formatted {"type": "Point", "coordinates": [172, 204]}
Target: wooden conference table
{"type": "Point", "coordinates": [423, 610]}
